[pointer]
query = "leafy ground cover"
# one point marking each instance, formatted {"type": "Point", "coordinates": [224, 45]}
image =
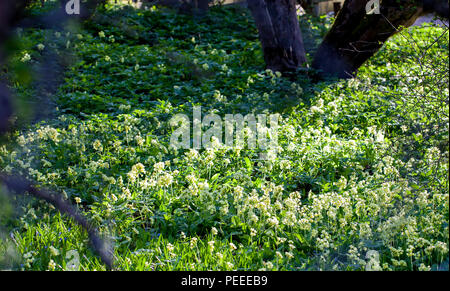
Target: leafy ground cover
{"type": "Point", "coordinates": [359, 180]}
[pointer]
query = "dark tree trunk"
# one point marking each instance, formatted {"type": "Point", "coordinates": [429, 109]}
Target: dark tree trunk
{"type": "Point", "coordinates": [279, 33]}
{"type": "Point", "coordinates": [356, 36]}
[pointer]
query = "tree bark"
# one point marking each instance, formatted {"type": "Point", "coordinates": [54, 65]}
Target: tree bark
{"type": "Point", "coordinates": [279, 33]}
{"type": "Point", "coordinates": [356, 36]}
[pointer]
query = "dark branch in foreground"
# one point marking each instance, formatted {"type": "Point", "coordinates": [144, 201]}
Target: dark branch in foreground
{"type": "Point", "coordinates": [21, 186]}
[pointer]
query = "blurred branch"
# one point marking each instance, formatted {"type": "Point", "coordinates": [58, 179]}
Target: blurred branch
{"type": "Point", "coordinates": [21, 186]}
{"type": "Point", "coordinates": [11, 13]}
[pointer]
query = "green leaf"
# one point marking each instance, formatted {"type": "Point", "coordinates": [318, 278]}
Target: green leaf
{"type": "Point", "coordinates": [248, 163]}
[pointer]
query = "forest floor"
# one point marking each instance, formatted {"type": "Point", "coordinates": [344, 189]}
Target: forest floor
{"type": "Point", "coordinates": [430, 18]}
{"type": "Point", "coordinates": [358, 179]}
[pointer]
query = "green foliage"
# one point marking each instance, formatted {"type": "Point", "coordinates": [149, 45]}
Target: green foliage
{"type": "Point", "coordinates": [342, 193]}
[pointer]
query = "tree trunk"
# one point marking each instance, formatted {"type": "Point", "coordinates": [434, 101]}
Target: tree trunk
{"type": "Point", "coordinates": [356, 36]}
{"type": "Point", "coordinates": [279, 33]}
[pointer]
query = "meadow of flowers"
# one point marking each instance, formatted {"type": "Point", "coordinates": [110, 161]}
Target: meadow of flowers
{"type": "Point", "coordinates": [356, 183]}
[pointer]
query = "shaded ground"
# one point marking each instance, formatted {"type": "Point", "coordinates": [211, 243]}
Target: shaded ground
{"type": "Point", "coordinates": [429, 18]}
